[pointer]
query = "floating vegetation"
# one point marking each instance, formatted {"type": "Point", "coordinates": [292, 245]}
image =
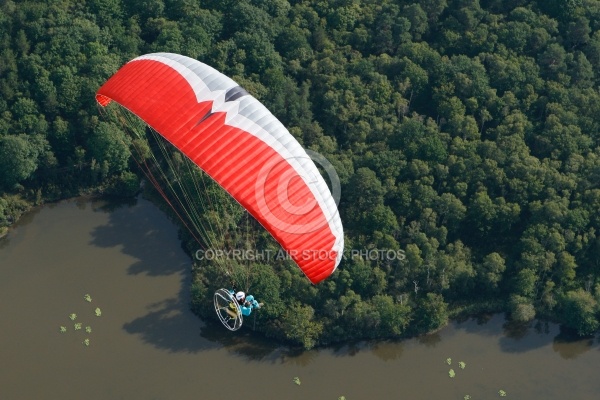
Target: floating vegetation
{"type": "Point", "coordinates": [297, 380]}
{"type": "Point", "coordinates": [342, 398]}
{"type": "Point", "coordinates": [463, 365]}
{"type": "Point", "coordinates": [79, 326]}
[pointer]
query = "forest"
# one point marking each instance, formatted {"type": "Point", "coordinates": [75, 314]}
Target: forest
{"type": "Point", "coordinates": [465, 133]}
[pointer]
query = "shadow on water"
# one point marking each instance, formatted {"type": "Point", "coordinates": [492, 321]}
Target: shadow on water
{"type": "Point", "coordinates": [570, 346]}
{"type": "Point", "coordinates": [298, 356]}
{"type": "Point", "coordinates": [430, 340]}
{"type": "Point", "coordinates": [24, 220]}
{"type": "Point", "coordinates": [169, 326]}
{"type": "Point", "coordinates": [520, 337]}
{"type": "Point", "coordinates": [388, 350]}
{"type": "Point", "coordinates": [4, 241]}
{"type": "Point", "coordinates": [242, 343]}
{"type": "Point", "coordinates": [143, 232]}
{"type": "Point", "coordinates": [109, 206]}
{"type": "Point", "coordinates": [523, 337]}
{"type": "Point", "coordinates": [482, 324]}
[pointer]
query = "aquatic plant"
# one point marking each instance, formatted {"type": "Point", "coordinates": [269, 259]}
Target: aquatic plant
{"type": "Point", "coordinates": [462, 364]}
{"type": "Point", "coordinates": [78, 325]}
{"type": "Point", "coordinates": [448, 361]}
{"type": "Point", "coordinates": [502, 393]}
{"type": "Point", "coordinates": [467, 397]}
{"type": "Point", "coordinates": [451, 373]}
{"type": "Point", "coordinates": [296, 380]}
{"type": "Point", "coordinates": [342, 398]}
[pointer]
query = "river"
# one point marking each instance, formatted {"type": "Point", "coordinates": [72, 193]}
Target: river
{"type": "Point", "coordinates": [146, 344]}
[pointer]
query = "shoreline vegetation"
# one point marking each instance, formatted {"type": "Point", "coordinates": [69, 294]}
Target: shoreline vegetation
{"type": "Point", "coordinates": [465, 134]}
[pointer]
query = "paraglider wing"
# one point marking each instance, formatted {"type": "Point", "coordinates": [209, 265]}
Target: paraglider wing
{"type": "Point", "coordinates": [234, 138]}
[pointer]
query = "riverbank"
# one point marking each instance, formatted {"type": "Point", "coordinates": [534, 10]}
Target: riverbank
{"type": "Point", "coordinates": [14, 205]}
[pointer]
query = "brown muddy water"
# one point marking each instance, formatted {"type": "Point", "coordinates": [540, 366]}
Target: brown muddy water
{"type": "Point", "coordinates": [148, 345]}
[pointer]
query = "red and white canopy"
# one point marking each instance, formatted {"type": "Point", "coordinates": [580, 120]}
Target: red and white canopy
{"type": "Point", "coordinates": [241, 145]}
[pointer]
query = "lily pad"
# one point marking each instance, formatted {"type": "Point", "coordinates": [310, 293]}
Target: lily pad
{"type": "Point", "coordinates": [451, 373]}
{"type": "Point", "coordinates": [88, 329]}
{"type": "Point", "coordinates": [77, 326]}
{"type": "Point", "coordinates": [87, 298]}
{"type": "Point", "coordinates": [297, 380]}
{"type": "Point", "coordinates": [63, 329]}
{"type": "Point", "coordinates": [448, 361]}
{"type": "Point", "coordinates": [462, 364]}
{"type": "Point", "coordinates": [86, 342]}
{"type": "Point", "coordinates": [502, 393]}
{"type": "Point", "coordinates": [98, 312]}
{"type": "Point", "coordinates": [73, 316]}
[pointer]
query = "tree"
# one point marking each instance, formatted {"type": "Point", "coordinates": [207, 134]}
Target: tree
{"type": "Point", "coordinates": [18, 158]}
{"type": "Point", "coordinates": [521, 309]}
{"type": "Point", "coordinates": [578, 32]}
{"type": "Point", "coordinates": [566, 266]}
{"type": "Point", "coordinates": [578, 309]}
{"type": "Point", "coordinates": [299, 326]}
{"type": "Point", "coordinates": [431, 313]}
{"type": "Point", "coordinates": [109, 144]}
{"type": "Point", "coordinates": [394, 317]}
{"type": "Point", "coordinates": [553, 59]}
{"type": "Point", "coordinates": [482, 212]}
{"type": "Point", "coordinates": [168, 35]}
{"type": "Point", "coordinates": [450, 210]}
{"type": "Point", "coordinates": [433, 8]}
{"type": "Point", "coordinates": [582, 71]}
{"type": "Point", "coordinates": [108, 11]}
{"type": "Point", "coordinates": [524, 283]}
{"type": "Point", "coordinates": [491, 271]}
{"type": "Point", "coordinates": [365, 193]}
{"type": "Point", "coordinates": [418, 20]}
{"type": "Point", "coordinates": [146, 8]}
